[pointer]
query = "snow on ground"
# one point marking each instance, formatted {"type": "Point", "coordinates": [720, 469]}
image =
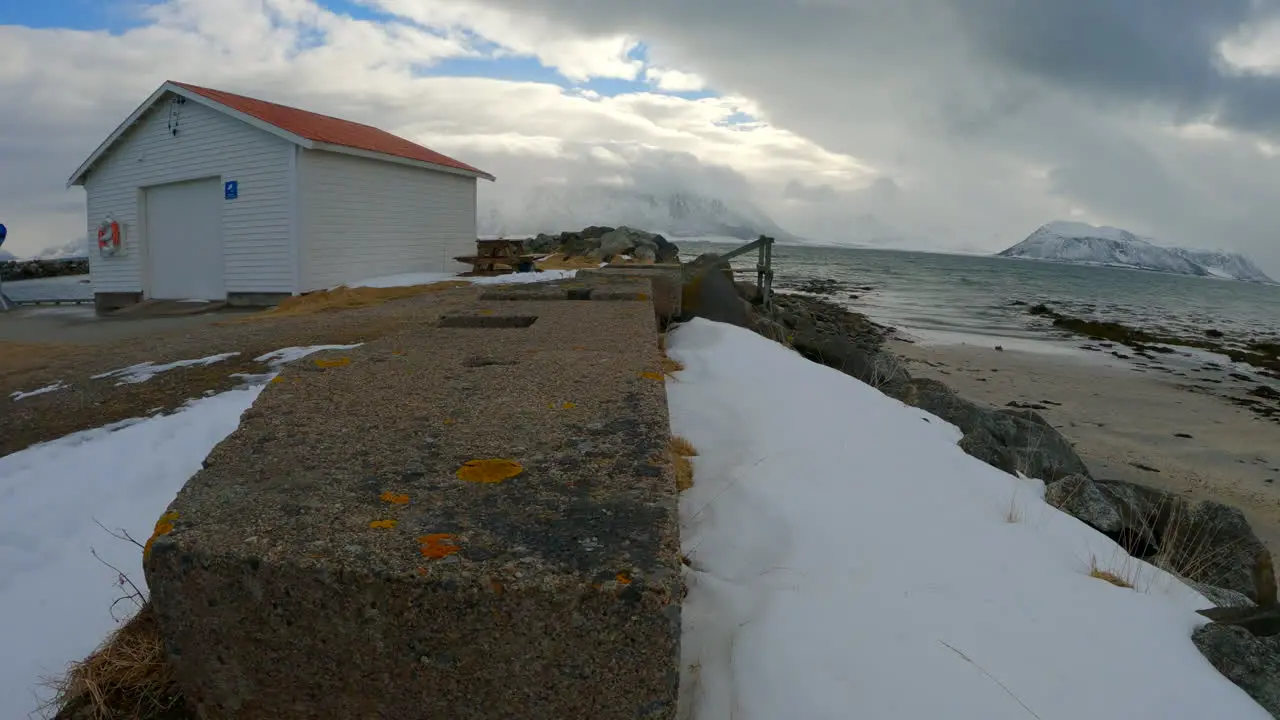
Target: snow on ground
{"type": "Point", "coordinates": [143, 372]}
{"type": "Point", "coordinates": [38, 391]}
{"type": "Point", "coordinates": [409, 279]}
{"type": "Point", "coordinates": [55, 597]}
{"type": "Point", "coordinates": [850, 561]}
{"type": "Point", "coordinates": [283, 356]}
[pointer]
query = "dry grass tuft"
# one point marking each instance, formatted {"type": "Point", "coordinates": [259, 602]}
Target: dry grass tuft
{"type": "Point", "coordinates": [684, 472]}
{"type": "Point", "coordinates": [1014, 513]}
{"type": "Point", "coordinates": [128, 676]}
{"type": "Point", "coordinates": [1107, 575]}
{"type": "Point", "coordinates": [682, 447]}
{"type": "Point", "coordinates": [680, 450]}
{"type": "Point", "coordinates": [670, 366]}
{"type": "Point", "coordinates": [342, 298]}
{"type": "Point", "coordinates": [560, 262]}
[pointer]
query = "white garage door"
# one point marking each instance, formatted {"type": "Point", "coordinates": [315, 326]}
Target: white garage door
{"type": "Point", "coordinates": [184, 241]}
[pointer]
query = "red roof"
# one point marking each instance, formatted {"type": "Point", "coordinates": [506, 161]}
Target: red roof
{"type": "Point", "coordinates": [331, 130]}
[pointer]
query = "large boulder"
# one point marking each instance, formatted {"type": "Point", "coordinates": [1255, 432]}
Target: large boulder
{"type": "Point", "coordinates": [543, 243]}
{"type": "Point", "coordinates": [1016, 441]}
{"type": "Point", "coordinates": [1079, 496]}
{"type": "Point", "coordinates": [1207, 543]}
{"type": "Point", "coordinates": [625, 241]}
{"type": "Point", "coordinates": [1251, 662]}
{"type": "Point", "coordinates": [709, 293]}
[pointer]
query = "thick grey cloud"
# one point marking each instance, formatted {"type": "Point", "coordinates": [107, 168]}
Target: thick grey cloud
{"type": "Point", "coordinates": [994, 116]}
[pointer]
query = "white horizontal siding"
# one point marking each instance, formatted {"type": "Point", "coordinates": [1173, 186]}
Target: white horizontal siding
{"type": "Point", "coordinates": [256, 227]}
{"type": "Point", "coordinates": [360, 218]}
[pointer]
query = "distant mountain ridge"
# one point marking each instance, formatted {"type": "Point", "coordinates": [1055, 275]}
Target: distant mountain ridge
{"type": "Point", "coordinates": [1082, 244]}
{"type": "Point", "coordinates": [553, 208]}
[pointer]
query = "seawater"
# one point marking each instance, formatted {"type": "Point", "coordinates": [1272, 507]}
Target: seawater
{"type": "Point", "coordinates": [979, 295]}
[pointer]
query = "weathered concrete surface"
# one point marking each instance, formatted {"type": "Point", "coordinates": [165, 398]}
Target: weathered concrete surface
{"type": "Point", "coordinates": [554, 594]}
{"type": "Point", "coordinates": [665, 280]}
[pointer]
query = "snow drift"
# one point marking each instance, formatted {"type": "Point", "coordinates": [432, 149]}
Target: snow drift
{"type": "Point", "coordinates": [848, 560]}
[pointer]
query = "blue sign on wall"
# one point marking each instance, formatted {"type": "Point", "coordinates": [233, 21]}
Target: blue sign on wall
{"type": "Point", "coordinates": [231, 189]}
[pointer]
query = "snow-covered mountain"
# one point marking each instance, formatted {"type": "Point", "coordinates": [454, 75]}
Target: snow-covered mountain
{"type": "Point", "coordinates": [1221, 263]}
{"type": "Point", "coordinates": [555, 208]}
{"type": "Point", "coordinates": [1079, 243]}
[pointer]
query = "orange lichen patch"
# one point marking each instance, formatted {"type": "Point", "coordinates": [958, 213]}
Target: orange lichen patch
{"type": "Point", "coordinates": [449, 421]}
{"type": "Point", "coordinates": [277, 379]}
{"type": "Point", "coordinates": [437, 545]}
{"type": "Point", "coordinates": [623, 579]}
{"type": "Point", "coordinates": [394, 498]}
{"type": "Point", "coordinates": [397, 352]}
{"type": "Point", "coordinates": [383, 524]}
{"type": "Point", "coordinates": [334, 363]}
{"type": "Point", "coordinates": [489, 471]}
{"type": "Point", "coordinates": [650, 375]}
{"type": "Point", "coordinates": [164, 526]}
{"type": "Point", "coordinates": [569, 406]}
{"type": "Point", "coordinates": [422, 571]}
{"type": "Point", "coordinates": [496, 587]}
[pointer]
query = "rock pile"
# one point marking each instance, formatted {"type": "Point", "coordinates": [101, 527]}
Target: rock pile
{"type": "Point", "coordinates": [33, 269]}
{"type": "Point", "coordinates": [604, 244]}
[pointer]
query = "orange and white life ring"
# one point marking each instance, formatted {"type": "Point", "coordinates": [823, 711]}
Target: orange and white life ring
{"type": "Point", "coordinates": [108, 237]}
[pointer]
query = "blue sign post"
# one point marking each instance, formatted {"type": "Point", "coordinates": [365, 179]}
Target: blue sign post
{"type": "Point", "coordinates": [231, 189]}
{"type": "Point", "coordinates": [5, 302]}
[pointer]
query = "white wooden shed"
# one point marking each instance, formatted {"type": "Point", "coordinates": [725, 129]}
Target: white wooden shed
{"type": "Point", "coordinates": [220, 196]}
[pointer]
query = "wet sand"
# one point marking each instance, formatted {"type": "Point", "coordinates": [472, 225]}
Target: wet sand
{"type": "Point", "coordinates": [1127, 422]}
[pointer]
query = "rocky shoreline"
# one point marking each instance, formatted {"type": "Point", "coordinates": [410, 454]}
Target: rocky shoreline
{"type": "Point", "coordinates": [14, 270]}
{"type": "Point", "coordinates": [1207, 544]}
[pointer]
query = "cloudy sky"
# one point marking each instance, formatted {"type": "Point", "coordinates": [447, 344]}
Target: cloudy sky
{"type": "Point", "coordinates": [943, 124]}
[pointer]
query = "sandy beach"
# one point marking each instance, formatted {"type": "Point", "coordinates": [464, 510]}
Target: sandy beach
{"type": "Point", "coordinates": [1127, 422]}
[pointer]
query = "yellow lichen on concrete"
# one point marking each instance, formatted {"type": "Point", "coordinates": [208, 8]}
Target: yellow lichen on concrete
{"type": "Point", "coordinates": [383, 524]}
{"type": "Point", "coordinates": [650, 375]}
{"type": "Point", "coordinates": [394, 498]}
{"type": "Point", "coordinates": [489, 471]}
{"type": "Point", "coordinates": [334, 363]}
{"type": "Point", "coordinates": [164, 526]}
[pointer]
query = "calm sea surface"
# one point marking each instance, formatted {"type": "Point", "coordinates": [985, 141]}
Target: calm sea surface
{"type": "Point", "coordinates": [975, 295]}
